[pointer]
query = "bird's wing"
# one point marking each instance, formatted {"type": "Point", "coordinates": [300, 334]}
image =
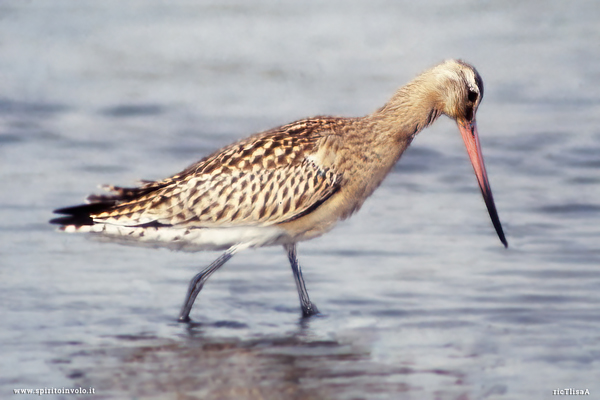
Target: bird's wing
{"type": "Point", "coordinates": [266, 179]}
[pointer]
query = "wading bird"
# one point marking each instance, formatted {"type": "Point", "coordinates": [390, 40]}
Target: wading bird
{"type": "Point", "coordinates": [288, 184]}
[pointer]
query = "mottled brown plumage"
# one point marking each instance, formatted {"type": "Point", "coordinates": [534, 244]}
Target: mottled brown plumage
{"type": "Point", "coordinates": [288, 184]}
{"type": "Point", "coordinates": [263, 180]}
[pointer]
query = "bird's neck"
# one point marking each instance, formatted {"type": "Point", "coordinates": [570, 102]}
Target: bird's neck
{"type": "Point", "coordinates": [384, 135]}
{"type": "Point", "coordinates": [412, 108]}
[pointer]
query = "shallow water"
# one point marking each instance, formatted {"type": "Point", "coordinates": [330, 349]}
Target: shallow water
{"type": "Point", "coordinates": [420, 299]}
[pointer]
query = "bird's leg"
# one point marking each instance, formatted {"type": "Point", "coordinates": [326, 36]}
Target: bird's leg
{"type": "Point", "coordinates": [198, 281]}
{"type": "Point", "coordinates": [308, 308]}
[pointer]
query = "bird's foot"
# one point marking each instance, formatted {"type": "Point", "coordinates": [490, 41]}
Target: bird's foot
{"type": "Point", "coordinates": [184, 318]}
{"type": "Point", "coordinates": [309, 310]}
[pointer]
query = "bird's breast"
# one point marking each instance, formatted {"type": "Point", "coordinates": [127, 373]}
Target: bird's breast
{"type": "Point", "coordinates": [361, 168]}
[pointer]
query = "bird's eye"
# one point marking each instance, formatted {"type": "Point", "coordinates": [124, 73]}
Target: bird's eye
{"type": "Point", "coordinates": [472, 95]}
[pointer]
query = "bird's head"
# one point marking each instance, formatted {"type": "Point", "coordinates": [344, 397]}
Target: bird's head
{"type": "Point", "coordinates": [460, 90]}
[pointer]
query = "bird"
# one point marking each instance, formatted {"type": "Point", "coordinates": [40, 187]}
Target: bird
{"type": "Point", "coordinates": [288, 184]}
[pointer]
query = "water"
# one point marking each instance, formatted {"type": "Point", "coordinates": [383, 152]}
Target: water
{"type": "Point", "coordinates": [420, 299]}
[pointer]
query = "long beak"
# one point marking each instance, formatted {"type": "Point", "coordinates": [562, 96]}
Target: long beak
{"type": "Point", "coordinates": [471, 138]}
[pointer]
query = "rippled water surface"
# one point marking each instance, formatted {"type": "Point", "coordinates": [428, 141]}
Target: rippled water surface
{"type": "Point", "coordinates": [420, 299]}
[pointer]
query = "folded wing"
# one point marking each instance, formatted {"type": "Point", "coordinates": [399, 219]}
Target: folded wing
{"type": "Point", "coordinates": [266, 179]}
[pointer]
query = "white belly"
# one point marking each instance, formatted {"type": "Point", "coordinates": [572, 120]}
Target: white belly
{"type": "Point", "coordinates": [186, 239]}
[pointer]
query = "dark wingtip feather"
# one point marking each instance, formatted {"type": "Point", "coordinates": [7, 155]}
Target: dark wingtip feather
{"type": "Point", "coordinates": [73, 220]}
{"type": "Point", "coordinates": [92, 208]}
{"type": "Point", "coordinates": [79, 215]}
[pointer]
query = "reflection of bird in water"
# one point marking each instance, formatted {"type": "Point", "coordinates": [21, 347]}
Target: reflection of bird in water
{"type": "Point", "coordinates": [289, 184]}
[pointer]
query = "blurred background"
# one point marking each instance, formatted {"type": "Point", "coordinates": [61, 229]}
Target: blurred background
{"type": "Point", "coordinates": [420, 299]}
